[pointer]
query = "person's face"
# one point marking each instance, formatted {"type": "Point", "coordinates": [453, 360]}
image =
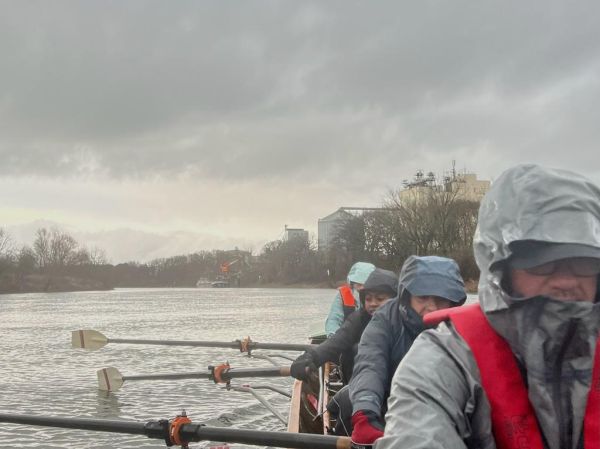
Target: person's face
{"type": "Point", "coordinates": [373, 300]}
{"type": "Point", "coordinates": [425, 304]}
{"type": "Point", "coordinates": [573, 279]}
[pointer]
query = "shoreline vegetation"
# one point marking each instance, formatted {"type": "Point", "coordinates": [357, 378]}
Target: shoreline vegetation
{"type": "Point", "coordinates": [438, 222]}
{"type": "Point", "coordinates": [36, 283]}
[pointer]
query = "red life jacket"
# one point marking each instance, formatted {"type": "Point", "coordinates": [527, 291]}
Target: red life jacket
{"type": "Point", "coordinates": [514, 422]}
{"type": "Point", "coordinates": [348, 301]}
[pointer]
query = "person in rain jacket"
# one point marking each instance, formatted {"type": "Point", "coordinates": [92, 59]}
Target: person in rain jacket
{"type": "Point", "coordinates": [347, 297]}
{"type": "Point", "coordinates": [518, 371]}
{"type": "Point", "coordinates": [379, 287]}
{"type": "Point", "coordinates": [426, 284]}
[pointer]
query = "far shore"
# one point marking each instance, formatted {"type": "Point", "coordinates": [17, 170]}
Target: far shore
{"type": "Point", "coordinates": [63, 284]}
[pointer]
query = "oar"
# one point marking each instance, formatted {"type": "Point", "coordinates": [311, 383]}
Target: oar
{"type": "Point", "coordinates": [178, 432]}
{"type": "Point", "coordinates": [92, 340]}
{"type": "Point", "coordinates": [111, 379]}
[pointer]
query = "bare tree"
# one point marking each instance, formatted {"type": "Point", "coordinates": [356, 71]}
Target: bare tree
{"type": "Point", "coordinates": [6, 251]}
{"type": "Point", "coordinates": [63, 249]}
{"type": "Point", "coordinates": [41, 247]}
{"type": "Point", "coordinates": [26, 260]}
{"type": "Point", "coordinates": [7, 246]}
{"type": "Point", "coordinates": [97, 256]}
{"type": "Point", "coordinates": [416, 219]}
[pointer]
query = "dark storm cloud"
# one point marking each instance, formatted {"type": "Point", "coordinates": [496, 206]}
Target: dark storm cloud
{"type": "Point", "coordinates": [293, 89]}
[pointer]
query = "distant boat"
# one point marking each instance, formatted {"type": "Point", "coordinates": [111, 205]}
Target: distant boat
{"type": "Point", "coordinates": [219, 284]}
{"type": "Point", "coordinates": [203, 283]}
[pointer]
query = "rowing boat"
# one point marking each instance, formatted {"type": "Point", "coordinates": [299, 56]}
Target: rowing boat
{"type": "Point", "coordinates": [308, 407]}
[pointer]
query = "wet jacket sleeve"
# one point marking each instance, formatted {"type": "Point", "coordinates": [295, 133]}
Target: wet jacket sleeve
{"type": "Point", "coordinates": [371, 366]}
{"type": "Point", "coordinates": [435, 401]}
{"type": "Point", "coordinates": [336, 315]}
{"type": "Point", "coordinates": [344, 339]}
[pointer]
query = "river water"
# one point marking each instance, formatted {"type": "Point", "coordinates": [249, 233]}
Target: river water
{"type": "Point", "coordinates": [41, 374]}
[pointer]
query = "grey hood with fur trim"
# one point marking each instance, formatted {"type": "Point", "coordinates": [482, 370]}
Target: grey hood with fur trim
{"type": "Point", "coordinates": [437, 399]}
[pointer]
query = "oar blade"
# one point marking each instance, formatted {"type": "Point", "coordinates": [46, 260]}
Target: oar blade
{"type": "Point", "coordinates": [109, 379]}
{"type": "Point", "coordinates": [88, 339]}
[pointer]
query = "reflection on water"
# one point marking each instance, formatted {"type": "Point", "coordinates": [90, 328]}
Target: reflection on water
{"type": "Point", "coordinates": [41, 374]}
{"type": "Point", "coordinates": [108, 405]}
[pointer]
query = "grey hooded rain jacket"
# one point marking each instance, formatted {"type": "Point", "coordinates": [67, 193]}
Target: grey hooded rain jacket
{"type": "Point", "coordinates": [437, 400]}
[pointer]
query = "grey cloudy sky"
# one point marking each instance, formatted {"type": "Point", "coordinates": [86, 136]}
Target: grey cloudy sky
{"type": "Point", "coordinates": [216, 122]}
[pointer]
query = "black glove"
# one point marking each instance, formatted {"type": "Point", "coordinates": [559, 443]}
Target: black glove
{"type": "Point", "coordinates": [304, 365]}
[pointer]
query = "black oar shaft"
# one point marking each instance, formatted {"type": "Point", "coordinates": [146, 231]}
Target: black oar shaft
{"type": "Point", "coordinates": [275, 371]}
{"type": "Point", "coordinates": [189, 432]}
{"type": "Point", "coordinates": [280, 346]}
{"type": "Point", "coordinates": [194, 432]}
{"type": "Point", "coordinates": [214, 344]}
{"type": "Point", "coordinates": [226, 375]}
{"type": "Point", "coordinates": [100, 425]}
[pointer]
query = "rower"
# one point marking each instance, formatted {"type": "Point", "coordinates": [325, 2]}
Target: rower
{"type": "Point", "coordinates": [426, 284]}
{"type": "Point", "coordinates": [347, 297]}
{"type": "Point", "coordinates": [379, 287]}
{"type": "Point", "coordinates": [522, 367]}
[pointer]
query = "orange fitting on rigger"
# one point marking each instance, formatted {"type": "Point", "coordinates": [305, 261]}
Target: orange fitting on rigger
{"type": "Point", "coordinates": [217, 373]}
{"type": "Point", "coordinates": [245, 345]}
{"type": "Point", "coordinates": [174, 429]}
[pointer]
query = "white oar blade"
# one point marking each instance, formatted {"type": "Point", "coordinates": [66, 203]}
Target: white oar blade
{"type": "Point", "coordinates": [109, 379]}
{"type": "Point", "coordinates": [88, 339]}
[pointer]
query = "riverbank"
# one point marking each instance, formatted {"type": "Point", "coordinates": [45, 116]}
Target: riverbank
{"type": "Point", "coordinates": [470, 285]}
{"type": "Point", "coordinates": [37, 283]}
{"type": "Point", "coordinates": [43, 283]}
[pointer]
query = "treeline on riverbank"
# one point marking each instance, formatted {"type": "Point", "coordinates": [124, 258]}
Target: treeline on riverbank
{"type": "Point", "coordinates": [434, 223]}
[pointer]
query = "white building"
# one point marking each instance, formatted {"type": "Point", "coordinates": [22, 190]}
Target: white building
{"type": "Point", "coordinates": [466, 186]}
{"type": "Point", "coordinates": [329, 226]}
{"type": "Point", "coordinates": [295, 234]}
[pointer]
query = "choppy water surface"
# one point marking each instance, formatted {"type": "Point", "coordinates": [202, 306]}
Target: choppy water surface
{"type": "Point", "coordinates": [41, 374]}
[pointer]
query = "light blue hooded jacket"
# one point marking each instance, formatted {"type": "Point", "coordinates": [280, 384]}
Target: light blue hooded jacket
{"type": "Point", "coordinates": [358, 274]}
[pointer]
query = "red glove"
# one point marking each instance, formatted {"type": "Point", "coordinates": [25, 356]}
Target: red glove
{"type": "Point", "coordinates": [366, 427]}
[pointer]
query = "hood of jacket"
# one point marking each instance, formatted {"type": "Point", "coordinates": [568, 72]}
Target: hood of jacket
{"type": "Point", "coordinates": [380, 281]}
{"type": "Point", "coordinates": [432, 276]}
{"type": "Point", "coordinates": [553, 340]}
{"type": "Point", "coordinates": [429, 276]}
{"type": "Point", "coordinates": [359, 272]}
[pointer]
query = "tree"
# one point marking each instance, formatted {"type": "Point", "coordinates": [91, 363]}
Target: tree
{"type": "Point", "coordinates": [26, 260]}
{"type": "Point", "coordinates": [97, 256]}
{"type": "Point", "coordinates": [63, 249]}
{"type": "Point", "coordinates": [429, 220]}
{"type": "Point", "coordinates": [41, 247]}
{"type": "Point", "coordinates": [291, 261]}
{"type": "Point", "coordinates": [6, 250]}
{"type": "Point", "coordinates": [6, 244]}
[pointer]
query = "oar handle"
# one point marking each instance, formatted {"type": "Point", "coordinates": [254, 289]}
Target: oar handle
{"type": "Point", "coordinates": [272, 371]}
{"type": "Point", "coordinates": [281, 346]}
